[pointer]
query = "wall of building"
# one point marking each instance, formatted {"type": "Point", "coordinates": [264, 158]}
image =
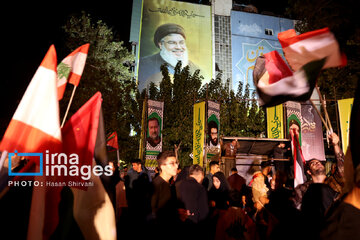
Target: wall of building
{"type": "Point", "coordinates": [253, 35]}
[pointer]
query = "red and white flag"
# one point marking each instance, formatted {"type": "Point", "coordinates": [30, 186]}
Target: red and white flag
{"type": "Point", "coordinates": [35, 126]}
{"type": "Point", "coordinates": [315, 45]}
{"type": "Point", "coordinates": [71, 68]}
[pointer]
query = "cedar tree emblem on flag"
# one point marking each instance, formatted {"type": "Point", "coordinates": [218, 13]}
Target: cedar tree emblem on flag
{"type": "Point", "coordinates": [71, 68]}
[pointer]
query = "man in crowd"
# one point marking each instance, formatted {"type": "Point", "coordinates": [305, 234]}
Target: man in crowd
{"type": "Point", "coordinates": [230, 149]}
{"type": "Point", "coordinates": [280, 155]}
{"type": "Point", "coordinates": [266, 172]}
{"type": "Point", "coordinates": [193, 196]}
{"type": "Point", "coordinates": [342, 219]}
{"type": "Point", "coordinates": [236, 181]}
{"type": "Point", "coordinates": [154, 132]}
{"type": "Point", "coordinates": [163, 200]}
{"type": "Point", "coordinates": [316, 170]}
{"type": "Point", "coordinates": [315, 196]}
{"type": "Point", "coordinates": [138, 192]}
{"type": "Point", "coordinates": [208, 180]}
{"type": "Point", "coordinates": [170, 38]}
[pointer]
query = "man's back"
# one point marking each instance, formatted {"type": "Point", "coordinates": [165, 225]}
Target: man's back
{"type": "Point", "coordinates": [194, 197]}
{"type": "Point", "coordinates": [236, 181]}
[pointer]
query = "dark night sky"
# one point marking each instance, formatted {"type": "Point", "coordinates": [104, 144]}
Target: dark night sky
{"type": "Point", "coordinates": [29, 31]}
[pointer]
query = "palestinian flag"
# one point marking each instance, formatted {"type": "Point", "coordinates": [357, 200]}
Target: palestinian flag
{"type": "Point", "coordinates": [276, 83]}
{"type": "Point", "coordinates": [307, 47]}
{"type": "Point", "coordinates": [299, 161]}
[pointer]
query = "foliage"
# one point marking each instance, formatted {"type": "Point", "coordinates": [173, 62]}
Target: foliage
{"type": "Point", "coordinates": [107, 71]}
{"type": "Point", "coordinates": [239, 116]}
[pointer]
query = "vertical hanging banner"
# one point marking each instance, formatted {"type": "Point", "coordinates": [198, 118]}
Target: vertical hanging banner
{"type": "Point", "coordinates": [275, 123]}
{"type": "Point", "coordinates": [198, 133]}
{"type": "Point", "coordinates": [345, 106]}
{"type": "Point", "coordinates": [213, 129]}
{"type": "Point", "coordinates": [311, 133]}
{"type": "Point", "coordinates": [293, 114]}
{"type": "Point", "coordinates": [153, 132]}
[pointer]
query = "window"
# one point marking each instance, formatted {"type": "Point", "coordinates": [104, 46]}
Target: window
{"type": "Point", "coordinates": [269, 31]}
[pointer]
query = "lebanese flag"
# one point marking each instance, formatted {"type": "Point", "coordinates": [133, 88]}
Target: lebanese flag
{"type": "Point", "coordinates": [71, 68]}
{"type": "Point", "coordinates": [79, 134]}
{"type": "Point", "coordinates": [315, 45]}
{"type": "Point", "coordinates": [35, 126]}
{"type": "Point", "coordinates": [112, 142]}
{"type": "Point", "coordinates": [276, 83]}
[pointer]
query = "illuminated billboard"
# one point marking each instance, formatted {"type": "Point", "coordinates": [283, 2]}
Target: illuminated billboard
{"type": "Point", "coordinates": [174, 31]}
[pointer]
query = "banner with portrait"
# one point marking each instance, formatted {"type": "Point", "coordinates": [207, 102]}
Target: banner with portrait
{"type": "Point", "coordinates": [173, 31]}
{"type": "Point", "coordinates": [345, 106]}
{"type": "Point", "coordinates": [212, 147]}
{"type": "Point", "coordinates": [294, 119]}
{"type": "Point", "coordinates": [275, 122]}
{"type": "Point", "coordinates": [198, 133]}
{"type": "Point", "coordinates": [312, 143]}
{"type": "Point", "coordinates": [154, 128]}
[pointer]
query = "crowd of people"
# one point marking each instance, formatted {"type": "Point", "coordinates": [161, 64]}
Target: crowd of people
{"type": "Point", "coordinates": [187, 203]}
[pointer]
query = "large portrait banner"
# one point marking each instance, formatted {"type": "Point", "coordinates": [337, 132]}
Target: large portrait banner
{"type": "Point", "coordinates": [173, 31]}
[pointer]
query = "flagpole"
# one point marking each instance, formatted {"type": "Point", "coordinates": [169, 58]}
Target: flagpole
{"type": "Point", "coordinates": [142, 138]}
{"type": "Point", "coordinates": [117, 154]}
{"type": "Point", "coordinates": [68, 107]}
{"type": "Point", "coordinates": [2, 159]}
{"type": "Point", "coordinates": [329, 127]}
{"type": "Point", "coordinates": [322, 119]}
{"type": "Point", "coordinates": [327, 115]}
